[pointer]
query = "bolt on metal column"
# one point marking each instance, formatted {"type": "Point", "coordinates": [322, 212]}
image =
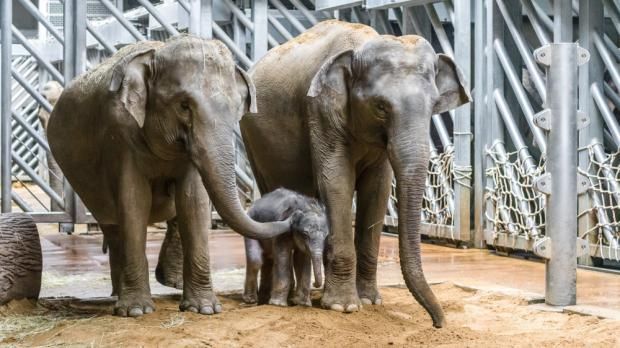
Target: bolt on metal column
{"type": "Point", "coordinates": [5, 103]}
{"type": "Point", "coordinates": [562, 59]}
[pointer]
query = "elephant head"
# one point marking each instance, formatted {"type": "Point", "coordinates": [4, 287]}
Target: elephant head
{"type": "Point", "coordinates": [186, 96]}
{"type": "Point", "coordinates": [385, 93]}
{"type": "Point", "coordinates": [309, 230]}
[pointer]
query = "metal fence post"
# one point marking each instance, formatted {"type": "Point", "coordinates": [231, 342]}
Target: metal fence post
{"type": "Point", "coordinates": [480, 108]}
{"type": "Point", "coordinates": [462, 125]}
{"type": "Point", "coordinates": [5, 103]}
{"type": "Point", "coordinates": [561, 58]}
{"type": "Point", "coordinates": [590, 21]}
{"type": "Point", "coordinates": [74, 64]}
{"type": "Point", "coordinates": [260, 43]}
{"type": "Point", "coordinates": [492, 129]}
{"type": "Point", "coordinates": [201, 17]}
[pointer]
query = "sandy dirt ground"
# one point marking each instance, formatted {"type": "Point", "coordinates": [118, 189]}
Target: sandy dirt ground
{"type": "Point", "coordinates": [476, 319]}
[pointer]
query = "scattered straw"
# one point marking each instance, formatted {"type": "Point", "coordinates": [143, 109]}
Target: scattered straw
{"type": "Point", "coordinates": [175, 320]}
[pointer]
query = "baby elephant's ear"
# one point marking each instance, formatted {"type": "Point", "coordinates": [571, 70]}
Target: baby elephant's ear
{"type": "Point", "coordinates": [296, 217]}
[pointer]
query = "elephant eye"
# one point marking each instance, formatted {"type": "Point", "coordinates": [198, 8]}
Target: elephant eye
{"type": "Point", "coordinates": [382, 109]}
{"type": "Point", "coordinates": [185, 106]}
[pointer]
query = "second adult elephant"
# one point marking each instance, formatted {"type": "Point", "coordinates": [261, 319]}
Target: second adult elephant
{"type": "Point", "coordinates": [341, 108]}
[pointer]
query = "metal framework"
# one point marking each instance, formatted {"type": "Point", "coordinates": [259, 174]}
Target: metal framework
{"type": "Point", "coordinates": [533, 164]}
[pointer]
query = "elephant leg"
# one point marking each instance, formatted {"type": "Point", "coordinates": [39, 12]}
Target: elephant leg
{"type": "Point", "coordinates": [253, 263]}
{"type": "Point", "coordinates": [134, 206]}
{"type": "Point", "coordinates": [303, 275]}
{"type": "Point", "coordinates": [266, 276]}
{"type": "Point", "coordinates": [55, 180]}
{"type": "Point", "coordinates": [169, 270]}
{"type": "Point", "coordinates": [373, 192]}
{"type": "Point", "coordinates": [281, 278]}
{"type": "Point", "coordinates": [111, 234]}
{"type": "Point", "coordinates": [194, 220]}
{"type": "Point", "coordinates": [336, 182]}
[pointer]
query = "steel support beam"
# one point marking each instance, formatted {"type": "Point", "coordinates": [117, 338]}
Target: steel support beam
{"type": "Point", "coordinates": [6, 40]}
{"type": "Point", "coordinates": [74, 65]}
{"type": "Point", "coordinates": [561, 268]}
{"type": "Point", "coordinates": [462, 125]}
{"type": "Point", "coordinates": [480, 112]}
{"type": "Point", "coordinates": [201, 18]}
{"type": "Point", "coordinates": [260, 13]}
{"type": "Point", "coordinates": [491, 130]}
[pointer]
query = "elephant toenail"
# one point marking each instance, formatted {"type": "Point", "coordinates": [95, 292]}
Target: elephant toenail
{"type": "Point", "coordinates": [121, 312]}
{"type": "Point", "coordinates": [148, 310]}
{"type": "Point", "coordinates": [351, 308]}
{"type": "Point", "coordinates": [378, 301]}
{"type": "Point", "coordinates": [135, 312]}
{"type": "Point", "coordinates": [366, 301]}
{"type": "Point", "coordinates": [192, 309]}
{"type": "Point", "coordinates": [337, 308]}
{"type": "Point", "coordinates": [206, 310]}
{"type": "Point", "coordinates": [218, 308]}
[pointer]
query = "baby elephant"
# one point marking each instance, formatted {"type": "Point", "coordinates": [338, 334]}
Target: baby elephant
{"type": "Point", "coordinates": [304, 243]}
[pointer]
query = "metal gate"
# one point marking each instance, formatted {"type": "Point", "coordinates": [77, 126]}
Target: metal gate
{"type": "Point", "coordinates": [87, 32]}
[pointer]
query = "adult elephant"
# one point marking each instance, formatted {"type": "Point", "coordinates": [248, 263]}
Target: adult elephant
{"type": "Point", "coordinates": [341, 108]}
{"type": "Point", "coordinates": [139, 138]}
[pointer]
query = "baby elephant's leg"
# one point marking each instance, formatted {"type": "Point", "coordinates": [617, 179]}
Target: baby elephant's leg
{"type": "Point", "coordinates": [254, 261]}
{"type": "Point", "coordinates": [303, 273]}
{"type": "Point", "coordinates": [281, 278]}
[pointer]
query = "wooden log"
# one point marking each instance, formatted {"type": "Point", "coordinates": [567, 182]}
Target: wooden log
{"type": "Point", "coordinates": [20, 258]}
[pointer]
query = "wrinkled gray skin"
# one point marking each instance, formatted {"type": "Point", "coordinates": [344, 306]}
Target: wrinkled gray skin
{"type": "Point", "coordinates": [304, 243]}
{"type": "Point", "coordinates": [139, 138]}
{"type": "Point", "coordinates": [342, 108]}
{"type": "Point", "coordinates": [52, 91]}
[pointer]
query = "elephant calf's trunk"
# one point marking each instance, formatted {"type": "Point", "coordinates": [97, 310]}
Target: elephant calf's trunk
{"type": "Point", "coordinates": [317, 261]}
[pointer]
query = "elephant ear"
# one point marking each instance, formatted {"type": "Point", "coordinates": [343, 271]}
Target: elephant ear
{"type": "Point", "coordinates": [246, 88]}
{"type": "Point", "coordinates": [332, 76]}
{"type": "Point", "coordinates": [129, 79]}
{"type": "Point", "coordinates": [451, 84]}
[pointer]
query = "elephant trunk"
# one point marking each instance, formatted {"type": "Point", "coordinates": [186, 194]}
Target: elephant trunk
{"type": "Point", "coordinates": [317, 264]}
{"type": "Point", "coordinates": [409, 154]}
{"type": "Point", "coordinates": [213, 154]}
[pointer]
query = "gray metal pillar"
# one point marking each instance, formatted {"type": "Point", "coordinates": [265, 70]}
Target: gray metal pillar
{"type": "Point", "coordinates": [492, 128]}
{"type": "Point", "coordinates": [74, 64]}
{"type": "Point", "coordinates": [590, 22]}
{"type": "Point", "coordinates": [260, 42]}
{"type": "Point", "coordinates": [6, 18]}
{"type": "Point", "coordinates": [462, 125]}
{"type": "Point", "coordinates": [561, 267]}
{"type": "Point", "coordinates": [479, 120]}
{"type": "Point", "coordinates": [201, 17]}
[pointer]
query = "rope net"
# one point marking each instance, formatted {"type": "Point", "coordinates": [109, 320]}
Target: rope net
{"type": "Point", "coordinates": [438, 203]}
{"type": "Point", "coordinates": [603, 173]}
{"type": "Point", "coordinates": [517, 208]}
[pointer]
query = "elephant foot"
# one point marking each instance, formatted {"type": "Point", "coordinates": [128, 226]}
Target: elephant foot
{"type": "Point", "coordinates": [134, 305]}
{"type": "Point", "coordinates": [368, 293]}
{"type": "Point", "coordinates": [208, 304]}
{"type": "Point", "coordinates": [300, 300]}
{"type": "Point", "coordinates": [250, 297]}
{"type": "Point", "coordinates": [169, 276]}
{"type": "Point", "coordinates": [278, 302]}
{"type": "Point", "coordinates": [341, 299]}
{"type": "Point", "coordinates": [169, 270]}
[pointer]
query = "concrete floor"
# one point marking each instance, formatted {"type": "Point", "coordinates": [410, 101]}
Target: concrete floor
{"type": "Point", "coordinates": [75, 266]}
